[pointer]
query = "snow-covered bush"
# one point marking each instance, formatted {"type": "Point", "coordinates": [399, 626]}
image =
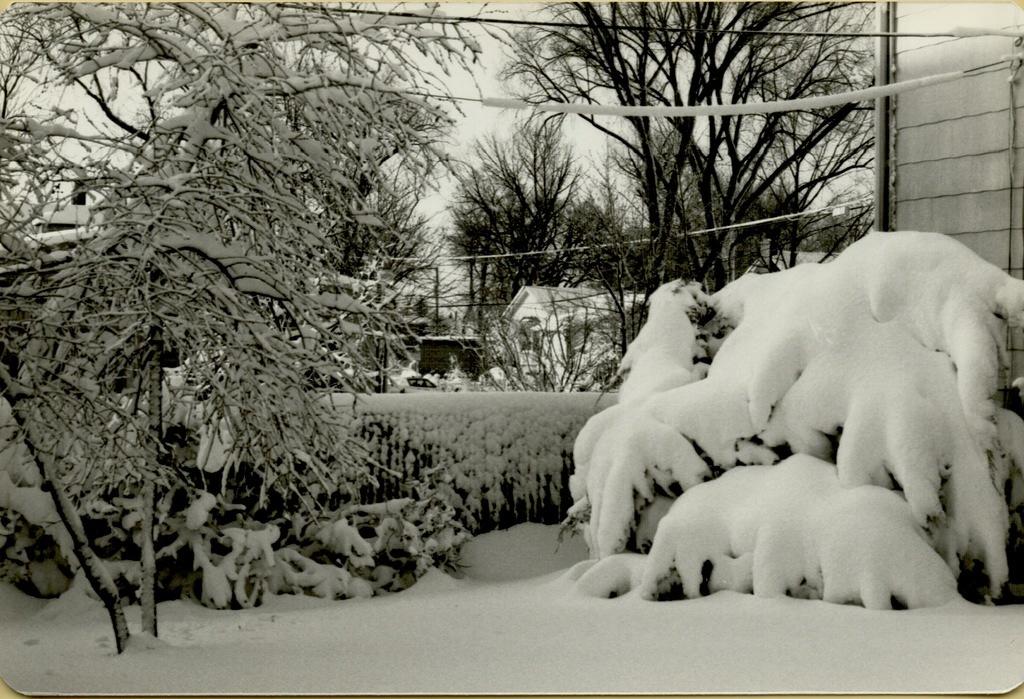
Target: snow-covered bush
{"type": "Point", "coordinates": [34, 553]}
{"type": "Point", "coordinates": [227, 545]}
{"type": "Point", "coordinates": [226, 554]}
{"type": "Point", "coordinates": [793, 529]}
{"type": "Point", "coordinates": [883, 363]}
{"type": "Point", "coordinates": [789, 529]}
{"type": "Point", "coordinates": [227, 559]}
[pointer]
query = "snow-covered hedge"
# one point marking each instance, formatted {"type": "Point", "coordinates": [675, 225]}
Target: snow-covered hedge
{"type": "Point", "coordinates": [878, 369]}
{"type": "Point", "coordinates": [448, 464]}
{"type": "Point", "coordinates": [506, 456]}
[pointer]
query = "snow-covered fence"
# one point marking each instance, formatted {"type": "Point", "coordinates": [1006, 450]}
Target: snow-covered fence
{"type": "Point", "coordinates": [508, 455]}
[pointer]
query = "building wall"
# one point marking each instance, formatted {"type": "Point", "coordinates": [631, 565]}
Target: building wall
{"type": "Point", "coordinates": [958, 148]}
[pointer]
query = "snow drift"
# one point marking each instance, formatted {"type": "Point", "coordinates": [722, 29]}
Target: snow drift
{"type": "Point", "coordinates": [881, 364]}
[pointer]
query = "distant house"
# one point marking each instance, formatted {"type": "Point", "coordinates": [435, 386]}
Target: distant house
{"type": "Point", "coordinates": [545, 302]}
{"type": "Point", "coordinates": [562, 338]}
{"type": "Point", "coordinates": [951, 155]}
{"type": "Point", "coordinates": [64, 216]}
{"type": "Point", "coordinates": [55, 233]}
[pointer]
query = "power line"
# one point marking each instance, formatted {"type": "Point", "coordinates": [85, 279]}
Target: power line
{"type": "Point", "coordinates": [956, 33]}
{"type": "Point", "coordinates": [729, 108]}
{"type": "Point", "coordinates": [743, 108]}
{"type": "Point", "coordinates": [856, 203]}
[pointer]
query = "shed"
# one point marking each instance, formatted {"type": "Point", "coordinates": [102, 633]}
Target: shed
{"type": "Point", "coordinates": [439, 353]}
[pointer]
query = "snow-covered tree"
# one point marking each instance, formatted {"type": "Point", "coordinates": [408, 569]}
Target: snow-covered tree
{"type": "Point", "coordinates": [868, 382]}
{"type": "Point", "coordinates": [200, 129]}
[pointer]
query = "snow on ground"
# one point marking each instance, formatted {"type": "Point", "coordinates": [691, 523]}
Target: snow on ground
{"type": "Point", "coordinates": [525, 551]}
{"type": "Point", "coordinates": [490, 632]}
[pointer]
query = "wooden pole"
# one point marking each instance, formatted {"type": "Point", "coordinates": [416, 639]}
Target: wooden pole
{"type": "Point", "coordinates": [437, 294]}
{"type": "Point", "coordinates": [883, 111]}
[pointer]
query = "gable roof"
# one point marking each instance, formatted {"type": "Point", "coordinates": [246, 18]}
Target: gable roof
{"type": "Point", "coordinates": [547, 299]}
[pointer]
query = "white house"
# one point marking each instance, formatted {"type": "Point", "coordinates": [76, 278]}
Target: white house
{"type": "Point", "coordinates": [55, 232]}
{"type": "Point", "coordinates": [561, 338]}
{"type": "Point", "coordinates": [544, 302]}
{"type": "Point", "coordinates": [950, 156]}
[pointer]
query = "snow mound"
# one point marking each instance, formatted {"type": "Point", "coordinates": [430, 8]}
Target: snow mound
{"type": "Point", "coordinates": [883, 362]}
{"type": "Point", "coordinates": [433, 582]}
{"type": "Point", "coordinates": [523, 551]}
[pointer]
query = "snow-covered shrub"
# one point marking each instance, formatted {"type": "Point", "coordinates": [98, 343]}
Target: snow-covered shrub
{"type": "Point", "coordinates": [883, 363]}
{"type": "Point", "coordinates": [356, 551]}
{"type": "Point", "coordinates": [366, 549]}
{"type": "Point", "coordinates": [507, 455]}
{"type": "Point", "coordinates": [30, 557]}
{"type": "Point", "coordinates": [785, 530]}
{"type": "Point", "coordinates": [225, 536]}
{"type": "Point", "coordinates": [34, 552]}
{"type": "Point", "coordinates": [228, 555]}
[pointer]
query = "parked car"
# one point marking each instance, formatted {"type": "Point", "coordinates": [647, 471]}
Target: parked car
{"type": "Point", "coordinates": [416, 384]}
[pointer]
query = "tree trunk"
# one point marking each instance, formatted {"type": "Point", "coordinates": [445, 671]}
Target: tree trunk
{"type": "Point", "coordinates": [147, 592]}
{"type": "Point", "coordinates": [92, 566]}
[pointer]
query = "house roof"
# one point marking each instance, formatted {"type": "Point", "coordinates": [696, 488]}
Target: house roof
{"type": "Point", "coordinates": [65, 216]}
{"type": "Point", "coordinates": [547, 297]}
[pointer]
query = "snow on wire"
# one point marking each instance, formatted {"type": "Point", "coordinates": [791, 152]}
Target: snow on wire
{"type": "Point", "coordinates": [954, 33]}
{"type": "Point", "coordinates": [714, 110]}
{"type": "Point", "coordinates": [834, 209]}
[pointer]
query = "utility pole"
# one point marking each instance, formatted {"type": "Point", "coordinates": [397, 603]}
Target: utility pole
{"type": "Point", "coordinates": [437, 294]}
{"type": "Point", "coordinates": [472, 293]}
{"type": "Point", "coordinates": [384, 278]}
{"type": "Point", "coordinates": [883, 113]}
